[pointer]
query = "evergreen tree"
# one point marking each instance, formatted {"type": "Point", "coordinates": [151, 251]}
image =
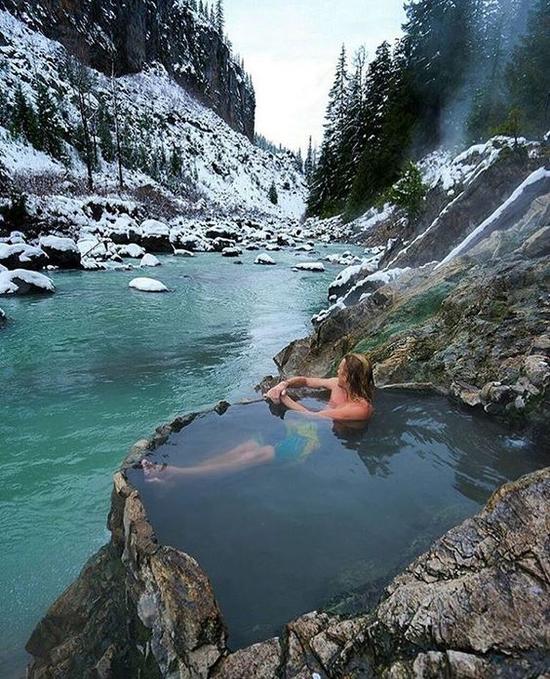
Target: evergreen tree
{"type": "Point", "coordinates": [437, 38]}
{"type": "Point", "coordinates": [220, 17]}
{"type": "Point", "coordinates": [272, 195]}
{"type": "Point", "coordinates": [390, 116]}
{"type": "Point", "coordinates": [49, 126]}
{"type": "Point", "coordinates": [308, 164]}
{"type": "Point", "coordinates": [529, 71]}
{"type": "Point", "coordinates": [23, 122]}
{"type": "Point", "coordinates": [327, 191]}
{"type": "Point", "coordinates": [176, 162]}
{"type": "Point", "coordinates": [409, 191]}
{"type": "Point", "coordinates": [104, 132]}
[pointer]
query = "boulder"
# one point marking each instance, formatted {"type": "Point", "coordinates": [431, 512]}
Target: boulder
{"type": "Point", "coordinates": [144, 284]}
{"type": "Point", "coordinates": [232, 252]}
{"type": "Point", "coordinates": [2, 317]}
{"type": "Point", "coordinates": [149, 260]}
{"type": "Point", "coordinates": [265, 260]}
{"type": "Point", "coordinates": [24, 282]}
{"type": "Point", "coordinates": [23, 256]}
{"type": "Point", "coordinates": [538, 245]}
{"type": "Point", "coordinates": [62, 252]}
{"type": "Point", "coordinates": [155, 236]}
{"type": "Point", "coordinates": [309, 266]}
{"type": "Point", "coordinates": [131, 250]}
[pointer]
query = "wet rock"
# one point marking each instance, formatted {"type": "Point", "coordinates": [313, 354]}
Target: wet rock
{"type": "Point", "coordinates": [466, 393]}
{"type": "Point", "coordinates": [2, 318]}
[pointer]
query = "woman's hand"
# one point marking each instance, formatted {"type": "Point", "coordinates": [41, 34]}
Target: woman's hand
{"type": "Point", "coordinates": [274, 394]}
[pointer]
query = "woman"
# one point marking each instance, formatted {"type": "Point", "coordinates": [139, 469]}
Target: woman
{"type": "Point", "coordinates": [351, 395]}
{"type": "Point", "coordinates": [351, 391]}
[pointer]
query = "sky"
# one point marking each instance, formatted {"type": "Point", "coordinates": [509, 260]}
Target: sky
{"type": "Point", "coordinates": [290, 48]}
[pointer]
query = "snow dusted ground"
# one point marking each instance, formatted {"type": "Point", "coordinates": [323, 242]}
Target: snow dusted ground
{"type": "Point", "coordinates": [226, 171]}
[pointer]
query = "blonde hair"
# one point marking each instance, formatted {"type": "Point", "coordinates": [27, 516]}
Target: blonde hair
{"type": "Point", "coordinates": [359, 377]}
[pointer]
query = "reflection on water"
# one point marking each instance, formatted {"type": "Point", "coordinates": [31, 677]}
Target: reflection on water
{"type": "Point", "coordinates": [295, 532]}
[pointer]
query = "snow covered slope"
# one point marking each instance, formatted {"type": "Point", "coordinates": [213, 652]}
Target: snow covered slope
{"type": "Point", "coordinates": [220, 168]}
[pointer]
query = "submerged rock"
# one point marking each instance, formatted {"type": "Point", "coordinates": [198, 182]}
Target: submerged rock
{"type": "Point", "coordinates": [147, 285]}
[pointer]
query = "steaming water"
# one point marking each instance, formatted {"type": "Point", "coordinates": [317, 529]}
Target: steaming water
{"type": "Point", "coordinates": [287, 536]}
{"type": "Point", "coordinates": [88, 371]}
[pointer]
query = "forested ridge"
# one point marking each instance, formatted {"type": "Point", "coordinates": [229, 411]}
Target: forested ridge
{"type": "Point", "coordinates": [462, 71]}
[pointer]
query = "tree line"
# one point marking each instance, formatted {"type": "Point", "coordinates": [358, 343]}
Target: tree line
{"type": "Point", "coordinates": [461, 72]}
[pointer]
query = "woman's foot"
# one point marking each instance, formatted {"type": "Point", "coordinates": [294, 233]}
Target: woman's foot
{"type": "Point", "coordinates": [152, 471]}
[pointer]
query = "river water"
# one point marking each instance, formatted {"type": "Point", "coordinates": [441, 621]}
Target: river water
{"type": "Point", "coordinates": [88, 371]}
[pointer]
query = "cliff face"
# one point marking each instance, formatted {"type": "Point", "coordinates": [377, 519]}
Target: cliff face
{"type": "Point", "coordinates": [137, 33]}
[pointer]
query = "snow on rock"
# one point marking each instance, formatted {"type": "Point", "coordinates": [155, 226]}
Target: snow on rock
{"type": "Point", "coordinates": [23, 282]}
{"type": "Point", "coordinates": [349, 276]}
{"type": "Point", "coordinates": [309, 266]}
{"type": "Point", "coordinates": [21, 255]}
{"type": "Point", "coordinates": [149, 260]}
{"type": "Point", "coordinates": [152, 227]}
{"type": "Point", "coordinates": [132, 250]}
{"type": "Point", "coordinates": [62, 252]}
{"type": "Point", "coordinates": [2, 317]}
{"type": "Point", "coordinates": [147, 285]}
{"type": "Point", "coordinates": [265, 259]}
{"type": "Point", "coordinates": [491, 223]}
{"type": "Point", "coordinates": [232, 252]}
{"type": "Point", "coordinates": [183, 253]}
{"type": "Point", "coordinates": [344, 259]}
{"type": "Point", "coordinates": [304, 248]}
{"type": "Point", "coordinates": [58, 243]}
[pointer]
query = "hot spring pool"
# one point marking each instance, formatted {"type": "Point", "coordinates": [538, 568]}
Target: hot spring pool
{"type": "Point", "coordinates": [330, 527]}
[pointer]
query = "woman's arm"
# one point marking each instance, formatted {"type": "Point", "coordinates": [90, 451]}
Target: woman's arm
{"type": "Point", "coordinates": [348, 411]}
{"type": "Point", "coordinates": [312, 382]}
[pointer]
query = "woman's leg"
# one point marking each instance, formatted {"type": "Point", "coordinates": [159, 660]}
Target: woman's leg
{"type": "Point", "coordinates": [245, 455]}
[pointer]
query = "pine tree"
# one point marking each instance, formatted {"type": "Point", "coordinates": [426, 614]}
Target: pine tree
{"type": "Point", "coordinates": [23, 122]}
{"type": "Point", "coordinates": [49, 125]}
{"type": "Point", "coordinates": [308, 165]}
{"type": "Point", "coordinates": [176, 162]}
{"type": "Point", "coordinates": [104, 132]}
{"type": "Point", "coordinates": [272, 195]}
{"type": "Point", "coordinates": [220, 17]}
{"type": "Point", "coordinates": [529, 71]}
{"type": "Point", "coordinates": [326, 196]}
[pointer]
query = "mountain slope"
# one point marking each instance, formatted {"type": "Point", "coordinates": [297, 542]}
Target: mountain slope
{"type": "Point", "coordinates": [129, 36]}
{"type": "Point", "coordinates": [218, 169]}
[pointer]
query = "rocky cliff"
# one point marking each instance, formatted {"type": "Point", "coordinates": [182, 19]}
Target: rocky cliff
{"type": "Point", "coordinates": [474, 605]}
{"type": "Point", "coordinates": [462, 299]}
{"type": "Point", "coordinates": [132, 35]}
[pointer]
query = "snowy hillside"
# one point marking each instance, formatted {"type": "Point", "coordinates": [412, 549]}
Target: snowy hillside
{"type": "Point", "coordinates": [170, 141]}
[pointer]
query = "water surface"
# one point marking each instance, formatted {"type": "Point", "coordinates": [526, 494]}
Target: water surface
{"type": "Point", "coordinates": [329, 528]}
